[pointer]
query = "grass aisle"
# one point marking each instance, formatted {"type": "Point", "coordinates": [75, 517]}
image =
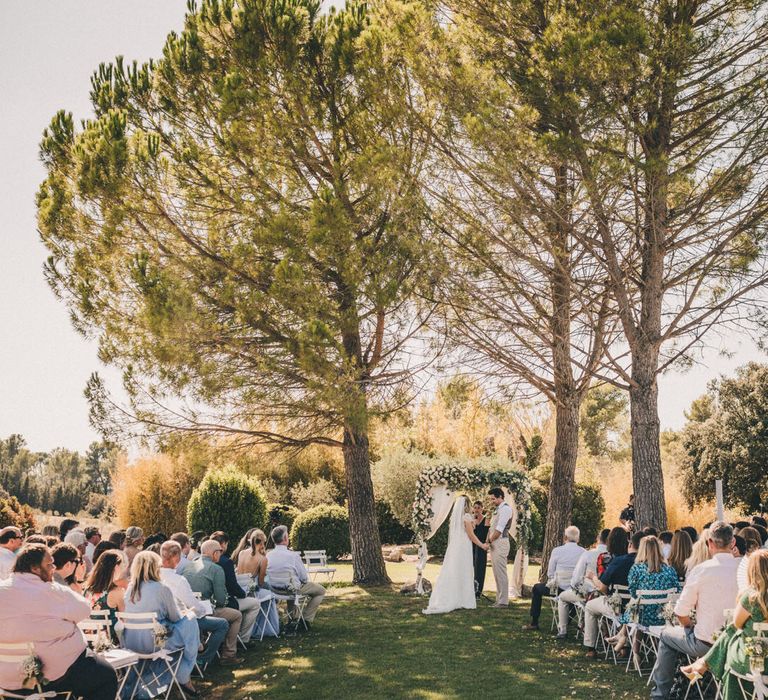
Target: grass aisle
{"type": "Point", "coordinates": [377, 644]}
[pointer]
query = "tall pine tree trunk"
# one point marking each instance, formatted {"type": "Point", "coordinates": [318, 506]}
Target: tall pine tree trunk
{"type": "Point", "coordinates": [647, 475]}
{"type": "Point", "coordinates": [567, 398]}
{"type": "Point", "coordinates": [367, 559]}
{"type": "Point", "coordinates": [561, 486]}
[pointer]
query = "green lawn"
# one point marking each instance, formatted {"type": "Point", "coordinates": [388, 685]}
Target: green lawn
{"type": "Point", "coordinates": [376, 644]}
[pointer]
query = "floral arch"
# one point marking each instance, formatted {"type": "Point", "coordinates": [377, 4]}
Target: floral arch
{"type": "Point", "coordinates": [440, 485]}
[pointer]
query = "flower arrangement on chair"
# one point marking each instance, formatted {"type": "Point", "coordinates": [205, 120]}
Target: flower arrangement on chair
{"type": "Point", "coordinates": [32, 669]}
{"type": "Point", "coordinates": [756, 648]}
{"type": "Point", "coordinates": [161, 635]}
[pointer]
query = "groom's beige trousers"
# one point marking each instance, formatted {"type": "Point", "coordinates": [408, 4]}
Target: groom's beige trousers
{"type": "Point", "coordinates": [499, 556]}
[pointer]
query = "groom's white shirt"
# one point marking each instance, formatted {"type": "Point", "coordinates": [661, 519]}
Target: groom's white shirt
{"type": "Point", "coordinates": [587, 562]}
{"type": "Point", "coordinates": [503, 516]}
{"type": "Point", "coordinates": [566, 556]}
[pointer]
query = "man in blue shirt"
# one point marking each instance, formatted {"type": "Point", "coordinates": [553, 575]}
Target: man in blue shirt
{"type": "Point", "coordinates": [615, 574]}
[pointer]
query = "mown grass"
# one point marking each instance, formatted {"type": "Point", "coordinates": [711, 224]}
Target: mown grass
{"type": "Point", "coordinates": [375, 643]}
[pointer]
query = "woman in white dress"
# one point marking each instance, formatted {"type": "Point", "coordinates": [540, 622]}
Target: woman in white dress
{"type": "Point", "coordinates": [455, 587]}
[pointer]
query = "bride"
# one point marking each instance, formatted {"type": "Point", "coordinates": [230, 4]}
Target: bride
{"type": "Point", "coordinates": [455, 587]}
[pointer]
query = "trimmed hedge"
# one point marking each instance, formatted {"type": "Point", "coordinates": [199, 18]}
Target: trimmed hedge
{"type": "Point", "coordinates": [279, 514]}
{"type": "Point", "coordinates": [226, 500]}
{"type": "Point", "coordinates": [588, 512]}
{"type": "Point", "coordinates": [390, 529]}
{"type": "Point", "coordinates": [322, 527]}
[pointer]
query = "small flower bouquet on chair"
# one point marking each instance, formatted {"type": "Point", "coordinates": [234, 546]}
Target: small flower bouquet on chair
{"type": "Point", "coordinates": [32, 668]}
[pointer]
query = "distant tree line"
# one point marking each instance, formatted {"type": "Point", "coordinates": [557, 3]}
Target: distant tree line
{"type": "Point", "coordinates": [60, 480]}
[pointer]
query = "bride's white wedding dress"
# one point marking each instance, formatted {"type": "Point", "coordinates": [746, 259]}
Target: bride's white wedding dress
{"type": "Point", "coordinates": [455, 586]}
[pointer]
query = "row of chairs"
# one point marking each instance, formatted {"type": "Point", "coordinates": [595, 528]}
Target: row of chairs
{"type": "Point", "coordinates": [644, 642]}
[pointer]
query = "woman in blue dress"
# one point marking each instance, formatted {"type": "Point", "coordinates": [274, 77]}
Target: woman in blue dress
{"type": "Point", "coordinates": [147, 594]}
{"type": "Point", "coordinates": [648, 573]}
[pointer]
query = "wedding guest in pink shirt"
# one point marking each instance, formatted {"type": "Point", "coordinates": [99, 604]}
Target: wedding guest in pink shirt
{"type": "Point", "coordinates": [34, 609]}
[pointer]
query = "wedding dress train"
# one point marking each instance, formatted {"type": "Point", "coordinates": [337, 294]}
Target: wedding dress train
{"type": "Point", "coordinates": [455, 586]}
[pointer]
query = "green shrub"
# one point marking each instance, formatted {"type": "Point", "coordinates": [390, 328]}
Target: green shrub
{"type": "Point", "coordinates": [437, 545]}
{"type": "Point", "coordinates": [322, 527]}
{"type": "Point", "coordinates": [320, 492]}
{"type": "Point", "coordinates": [279, 514]}
{"type": "Point", "coordinates": [13, 512]}
{"type": "Point", "coordinates": [587, 515]}
{"type": "Point", "coordinates": [226, 500]}
{"type": "Point", "coordinates": [588, 512]}
{"type": "Point", "coordinates": [390, 529]}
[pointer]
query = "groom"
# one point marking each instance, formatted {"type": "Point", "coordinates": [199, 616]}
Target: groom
{"type": "Point", "coordinates": [498, 539]}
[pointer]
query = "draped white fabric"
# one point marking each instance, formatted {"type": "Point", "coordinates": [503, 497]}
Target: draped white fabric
{"type": "Point", "coordinates": [442, 500]}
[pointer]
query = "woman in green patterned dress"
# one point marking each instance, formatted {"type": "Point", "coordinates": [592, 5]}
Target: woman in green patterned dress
{"type": "Point", "coordinates": [727, 653]}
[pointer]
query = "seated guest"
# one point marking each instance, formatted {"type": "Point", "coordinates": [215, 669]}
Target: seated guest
{"type": "Point", "coordinates": [618, 541]}
{"type": "Point", "coordinates": [65, 526]}
{"type": "Point", "coordinates": [665, 540]}
{"type": "Point", "coordinates": [281, 559]}
{"type": "Point", "coordinates": [752, 544]}
{"type": "Point", "coordinates": [700, 552]}
{"type": "Point", "coordinates": [253, 561]}
{"type": "Point", "coordinates": [77, 539]}
{"type": "Point", "coordinates": [10, 541]}
{"type": "Point", "coordinates": [182, 539]}
{"type": "Point", "coordinates": [104, 546]}
{"type": "Point", "coordinates": [681, 551]}
{"type": "Point", "coordinates": [727, 653]}
{"type": "Point", "coordinates": [55, 610]}
{"type": "Point", "coordinates": [207, 578]}
{"type": "Point", "coordinates": [562, 562]}
{"type": "Point", "coordinates": [70, 569]}
{"type": "Point", "coordinates": [692, 533]}
{"type": "Point", "coordinates": [195, 541]}
{"type": "Point", "coordinates": [51, 531]}
{"type": "Point", "coordinates": [616, 574]}
{"type": "Point", "coordinates": [587, 562]}
{"type": "Point", "coordinates": [134, 542]}
{"type": "Point", "coordinates": [92, 538]}
{"type": "Point", "coordinates": [649, 573]}
{"type": "Point", "coordinates": [709, 589]}
{"type": "Point", "coordinates": [243, 544]}
{"type": "Point", "coordinates": [118, 538]}
{"type": "Point", "coordinates": [146, 593]}
{"type": "Point", "coordinates": [763, 532]}
{"type": "Point", "coordinates": [170, 554]}
{"type": "Point", "coordinates": [157, 539]}
{"type": "Point", "coordinates": [105, 587]}
{"type": "Point", "coordinates": [238, 598]}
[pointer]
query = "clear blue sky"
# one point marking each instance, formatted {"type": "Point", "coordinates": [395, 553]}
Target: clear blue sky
{"type": "Point", "coordinates": [48, 50]}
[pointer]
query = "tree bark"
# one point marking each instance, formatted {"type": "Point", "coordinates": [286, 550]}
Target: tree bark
{"type": "Point", "coordinates": [647, 474]}
{"type": "Point", "coordinates": [567, 397]}
{"type": "Point", "coordinates": [561, 486]}
{"type": "Point", "coordinates": [367, 559]}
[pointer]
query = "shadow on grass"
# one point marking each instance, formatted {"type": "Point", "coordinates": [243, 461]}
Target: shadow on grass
{"type": "Point", "coordinates": [376, 643]}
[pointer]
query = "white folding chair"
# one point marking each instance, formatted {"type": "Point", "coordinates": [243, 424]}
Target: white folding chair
{"type": "Point", "coordinates": [609, 623]}
{"type": "Point", "coordinates": [563, 578]}
{"type": "Point", "coordinates": [266, 596]}
{"type": "Point", "coordinates": [171, 658]}
{"type": "Point", "coordinates": [284, 589]}
{"type": "Point", "coordinates": [642, 650]}
{"type": "Point", "coordinates": [316, 562]}
{"type": "Point", "coordinates": [13, 654]}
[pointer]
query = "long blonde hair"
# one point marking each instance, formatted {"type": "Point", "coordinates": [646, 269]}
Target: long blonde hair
{"type": "Point", "coordinates": [650, 553]}
{"type": "Point", "coordinates": [699, 553]}
{"type": "Point", "coordinates": [682, 548]}
{"type": "Point", "coordinates": [757, 578]}
{"type": "Point", "coordinates": [145, 567]}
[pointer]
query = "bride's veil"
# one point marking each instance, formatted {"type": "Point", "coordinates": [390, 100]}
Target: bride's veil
{"type": "Point", "coordinates": [456, 527]}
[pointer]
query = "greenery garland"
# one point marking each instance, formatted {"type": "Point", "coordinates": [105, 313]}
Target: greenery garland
{"type": "Point", "coordinates": [457, 478]}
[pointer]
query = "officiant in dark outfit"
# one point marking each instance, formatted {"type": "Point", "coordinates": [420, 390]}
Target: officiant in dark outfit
{"type": "Point", "coordinates": [480, 556]}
